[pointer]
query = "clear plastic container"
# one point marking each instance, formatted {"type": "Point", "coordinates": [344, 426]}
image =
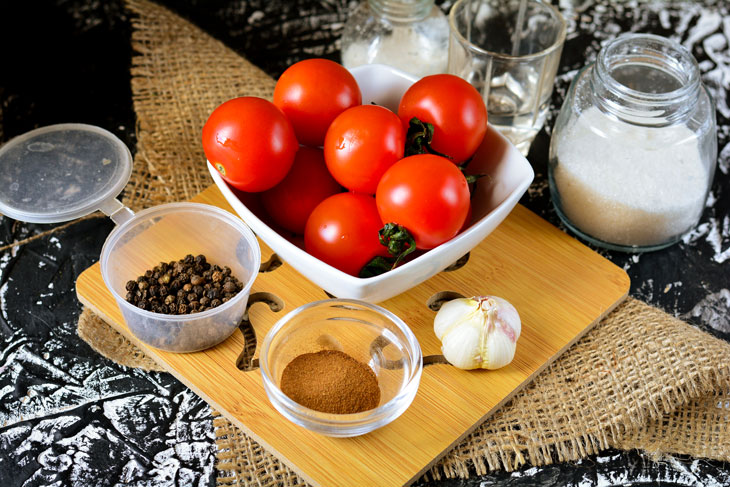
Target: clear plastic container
{"type": "Point", "coordinates": [412, 35]}
{"type": "Point", "coordinates": [366, 332]}
{"type": "Point", "coordinates": [65, 171]}
{"type": "Point", "coordinates": [167, 233]}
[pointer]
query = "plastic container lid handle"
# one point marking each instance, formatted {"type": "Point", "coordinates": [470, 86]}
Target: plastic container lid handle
{"type": "Point", "coordinates": [114, 209]}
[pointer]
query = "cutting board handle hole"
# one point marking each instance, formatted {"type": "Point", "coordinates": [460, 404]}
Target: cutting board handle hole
{"type": "Point", "coordinates": [272, 264]}
{"type": "Point", "coordinates": [435, 302]}
{"type": "Point", "coordinates": [435, 359]}
{"type": "Point", "coordinates": [460, 262]}
{"type": "Point", "coordinates": [245, 361]}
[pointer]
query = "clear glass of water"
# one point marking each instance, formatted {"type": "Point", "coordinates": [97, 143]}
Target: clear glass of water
{"type": "Point", "coordinates": [510, 51]}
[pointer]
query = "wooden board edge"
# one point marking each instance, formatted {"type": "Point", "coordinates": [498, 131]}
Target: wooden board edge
{"type": "Point", "coordinates": [519, 388]}
{"type": "Point", "coordinates": [150, 351]}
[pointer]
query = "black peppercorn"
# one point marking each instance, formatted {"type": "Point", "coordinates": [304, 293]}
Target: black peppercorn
{"type": "Point", "coordinates": [229, 287]}
{"type": "Point", "coordinates": [186, 286]}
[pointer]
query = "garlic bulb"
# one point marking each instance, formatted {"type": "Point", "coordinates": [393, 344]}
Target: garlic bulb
{"type": "Point", "coordinates": [478, 332]}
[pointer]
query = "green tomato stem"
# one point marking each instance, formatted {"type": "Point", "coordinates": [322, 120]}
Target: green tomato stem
{"type": "Point", "coordinates": [399, 243]}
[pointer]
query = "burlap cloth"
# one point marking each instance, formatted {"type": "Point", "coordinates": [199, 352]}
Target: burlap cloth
{"type": "Point", "coordinates": [640, 379]}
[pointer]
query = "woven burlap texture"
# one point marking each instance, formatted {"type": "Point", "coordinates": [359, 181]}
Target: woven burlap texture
{"type": "Point", "coordinates": [179, 76]}
{"type": "Point", "coordinates": [640, 379]}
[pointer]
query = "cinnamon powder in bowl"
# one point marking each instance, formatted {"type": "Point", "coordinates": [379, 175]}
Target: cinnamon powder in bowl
{"type": "Point", "coordinates": [341, 367]}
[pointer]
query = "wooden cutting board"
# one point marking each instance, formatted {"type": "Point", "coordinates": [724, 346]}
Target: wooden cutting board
{"type": "Point", "coordinates": [560, 287]}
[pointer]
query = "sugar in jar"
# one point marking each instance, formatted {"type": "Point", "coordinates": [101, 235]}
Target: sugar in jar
{"type": "Point", "coordinates": [634, 148]}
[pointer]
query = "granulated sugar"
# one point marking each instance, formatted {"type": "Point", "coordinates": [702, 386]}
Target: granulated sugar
{"type": "Point", "coordinates": [627, 184]}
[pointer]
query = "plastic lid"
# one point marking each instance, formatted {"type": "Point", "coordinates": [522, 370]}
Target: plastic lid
{"type": "Point", "coordinates": [61, 172]}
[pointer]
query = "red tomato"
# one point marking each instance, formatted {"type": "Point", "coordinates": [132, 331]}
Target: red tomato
{"type": "Point", "coordinates": [454, 107]}
{"type": "Point", "coordinates": [426, 194]}
{"type": "Point", "coordinates": [361, 144]}
{"type": "Point", "coordinates": [250, 142]}
{"type": "Point", "coordinates": [290, 202]}
{"type": "Point", "coordinates": [343, 232]}
{"type": "Point", "coordinates": [312, 93]}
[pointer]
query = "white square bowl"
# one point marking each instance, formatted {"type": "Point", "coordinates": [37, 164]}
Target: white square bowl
{"type": "Point", "coordinates": [510, 174]}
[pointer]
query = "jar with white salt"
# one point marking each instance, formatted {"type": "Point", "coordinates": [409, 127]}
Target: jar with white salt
{"type": "Point", "coordinates": [411, 35]}
{"type": "Point", "coordinates": [634, 148]}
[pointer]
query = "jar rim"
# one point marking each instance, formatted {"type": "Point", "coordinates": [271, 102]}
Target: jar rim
{"type": "Point", "coordinates": [402, 10]}
{"type": "Point", "coordinates": [653, 50]}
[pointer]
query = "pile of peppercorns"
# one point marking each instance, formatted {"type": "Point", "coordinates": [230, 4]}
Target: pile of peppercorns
{"type": "Point", "coordinates": [190, 285]}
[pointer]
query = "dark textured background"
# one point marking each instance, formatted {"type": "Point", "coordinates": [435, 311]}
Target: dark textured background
{"type": "Point", "coordinates": [70, 417]}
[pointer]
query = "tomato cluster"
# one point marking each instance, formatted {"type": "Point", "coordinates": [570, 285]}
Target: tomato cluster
{"type": "Point", "coordinates": [367, 185]}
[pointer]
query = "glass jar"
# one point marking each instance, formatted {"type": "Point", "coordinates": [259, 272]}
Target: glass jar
{"type": "Point", "coordinates": [634, 148]}
{"type": "Point", "coordinates": [412, 35]}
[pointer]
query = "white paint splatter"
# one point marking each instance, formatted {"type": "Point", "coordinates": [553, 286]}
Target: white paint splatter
{"type": "Point", "coordinates": [714, 311]}
{"type": "Point", "coordinates": [537, 188]}
{"type": "Point", "coordinates": [3, 299]}
{"type": "Point", "coordinates": [715, 234]}
{"type": "Point", "coordinates": [723, 162]}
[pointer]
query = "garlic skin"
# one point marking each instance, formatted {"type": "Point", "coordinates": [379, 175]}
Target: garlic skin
{"type": "Point", "coordinates": [479, 332]}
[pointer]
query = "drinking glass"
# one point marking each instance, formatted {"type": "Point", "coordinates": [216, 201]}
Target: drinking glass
{"type": "Point", "coordinates": [510, 51]}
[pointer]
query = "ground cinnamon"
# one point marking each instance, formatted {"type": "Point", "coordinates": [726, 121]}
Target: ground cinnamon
{"type": "Point", "coordinates": [332, 382]}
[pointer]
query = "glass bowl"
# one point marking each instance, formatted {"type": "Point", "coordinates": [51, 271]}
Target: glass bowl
{"type": "Point", "coordinates": [368, 333]}
{"type": "Point", "coordinates": [168, 233]}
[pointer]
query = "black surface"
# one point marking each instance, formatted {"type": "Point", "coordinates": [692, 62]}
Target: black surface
{"type": "Point", "coordinates": [70, 417]}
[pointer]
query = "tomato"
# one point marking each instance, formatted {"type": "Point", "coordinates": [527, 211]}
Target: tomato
{"type": "Point", "coordinates": [250, 142]}
{"type": "Point", "coordinates": [312, 93]}
{"type": "Point", "coordinates": [454, 107]}
{"type": "Point", "coordinates": [361, 144]}
{"type": "Point", "coordinates": [343, 232]}
{"type": "Point", "coordinates": [426, 194]}
{"type": "Point", "coordinates": [290, 202]}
